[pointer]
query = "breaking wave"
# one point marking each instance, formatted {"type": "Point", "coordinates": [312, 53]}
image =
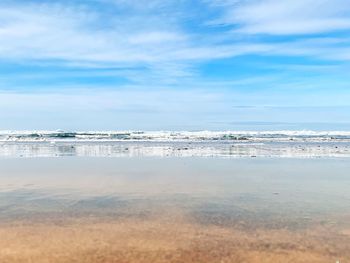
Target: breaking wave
{"type": "Point", "coordinates": [255, 136]}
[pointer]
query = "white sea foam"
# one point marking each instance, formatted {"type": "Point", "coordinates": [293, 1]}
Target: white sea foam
{"type": "Point", "coordinates": [182, 143]}
{"type": "Point", "coordinates": [283, 135]}
{"type": "Point", "coordinates": [284, 143]}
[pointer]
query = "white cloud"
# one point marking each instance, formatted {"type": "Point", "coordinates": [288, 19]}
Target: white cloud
{"type": "Point", "coordinates": [73, 34]}
{"type": "Point", "coordinates": [160, 46]}
{"type": "Point", "coordinates": [154, 37]}
{"type": "Point", "coordinates": [286, 17]}
{"type": "Point", "coordinates": [56, 32]}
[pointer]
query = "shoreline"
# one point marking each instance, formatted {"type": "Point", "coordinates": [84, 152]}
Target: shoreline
{"type": "Point", "coordinates": [290, 149]}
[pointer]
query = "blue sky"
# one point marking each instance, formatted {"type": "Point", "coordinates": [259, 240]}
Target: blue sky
{"type": "Point", "coordinates": [175, 64]}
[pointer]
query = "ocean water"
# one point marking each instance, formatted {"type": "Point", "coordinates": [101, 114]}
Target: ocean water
{"type": "Point", "coordinates": [290, 144]}
{"type": "Point", "coordinates": [256, 136]}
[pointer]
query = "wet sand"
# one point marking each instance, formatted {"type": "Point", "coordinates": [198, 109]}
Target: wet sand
{"type": "Point", "coordinates": [168, 238]}
{"type": "Point", "coordinates": [174, 210]}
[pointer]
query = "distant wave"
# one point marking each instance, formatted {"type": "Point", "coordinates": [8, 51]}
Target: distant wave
{"type": "Point", "coordinates": [163, 136]}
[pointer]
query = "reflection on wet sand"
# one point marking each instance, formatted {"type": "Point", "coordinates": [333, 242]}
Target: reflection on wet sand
{"type": "Point", "coordinates": [174, 210]}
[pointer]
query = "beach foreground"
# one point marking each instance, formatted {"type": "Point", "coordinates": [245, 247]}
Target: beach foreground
{"type": "Point", "coordinates": [174, 210]}
{"type": "Point", "coordinates": [167, 238]}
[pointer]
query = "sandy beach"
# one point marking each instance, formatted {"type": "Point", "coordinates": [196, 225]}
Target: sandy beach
{"type": "Point", "coordinates": [168, 238]}
{"type": "Point", "coordinates": [174, 210]}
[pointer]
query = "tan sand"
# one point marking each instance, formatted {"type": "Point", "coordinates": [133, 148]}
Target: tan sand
{"type": "Point", "coordinates": [172, 238]}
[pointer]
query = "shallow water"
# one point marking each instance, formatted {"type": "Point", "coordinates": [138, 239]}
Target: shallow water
{"type": "Point", "coordinates": [194, 209]}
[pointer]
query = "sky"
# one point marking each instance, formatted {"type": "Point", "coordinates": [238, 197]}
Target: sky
{"type": "Point", "coordinates": [174, 65]}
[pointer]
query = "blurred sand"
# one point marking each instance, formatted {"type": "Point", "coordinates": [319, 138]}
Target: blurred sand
{"type": "Point", "coordinates": [169, 238]}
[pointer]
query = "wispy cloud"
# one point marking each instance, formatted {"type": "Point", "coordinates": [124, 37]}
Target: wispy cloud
{"type": "Point", "coordinates": [79, 34]}
{"type": "Point", "coordinates": [234, 52]}
{"type": "Point", "coordinates": [286, 17]}
{"type": "Point", "coordinates": [154, 34]}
